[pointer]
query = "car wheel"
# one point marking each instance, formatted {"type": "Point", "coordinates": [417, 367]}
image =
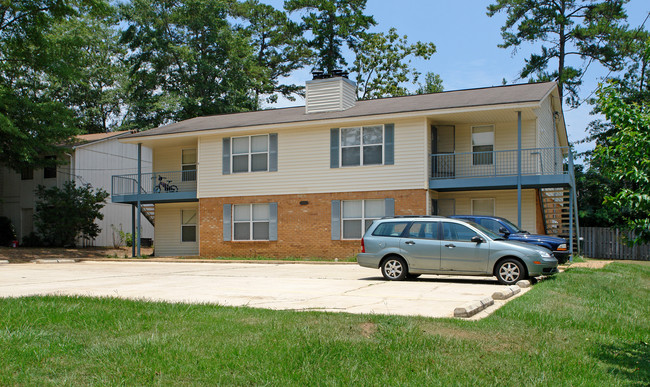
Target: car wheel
{"type": "Point", "coordinates": [412, 276]}
{"type": "Point", "coordinates": [394, 268]}
{"type": "Point", "coordinates": [510, 271]}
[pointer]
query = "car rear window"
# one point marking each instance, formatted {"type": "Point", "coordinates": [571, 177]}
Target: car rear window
{"type": "Point", "coordinates": [390, 229]}
{"type": "Point", "coordinates": [423, 230]}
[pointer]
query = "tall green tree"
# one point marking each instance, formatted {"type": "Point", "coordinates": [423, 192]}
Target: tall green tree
{"type": "Point", "coordinates": [625, 157]}
{"type": "Point", "coordinates": [332, 24]}
{"type": "Point", "coordinates": [588, 29]}
{"type": "Point", "coordinates": [278, 45]}
{"type": "Point", "coordinates": [432, 84]}
{"type": "Point", "coordinates": [382, 64]}
{"type": "Point", "coordinates": [185, 60]}
{"type": "Point", "coordinates": [37, 64]}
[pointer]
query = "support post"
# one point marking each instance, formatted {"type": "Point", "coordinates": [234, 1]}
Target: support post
{"type": "Point", "coordinates": [519, 169]}
{"type": "Point", "coordinates": [139, 230]}
{"type": "Point", "coordinates": [132, 231]}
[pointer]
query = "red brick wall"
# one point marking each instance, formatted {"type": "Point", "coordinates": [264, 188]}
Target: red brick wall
{"type": "Point", "coordinates": [303, 230]}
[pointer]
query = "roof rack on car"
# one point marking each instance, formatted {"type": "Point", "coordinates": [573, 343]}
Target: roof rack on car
{"type": "Point", "coordinates": [412, 216]}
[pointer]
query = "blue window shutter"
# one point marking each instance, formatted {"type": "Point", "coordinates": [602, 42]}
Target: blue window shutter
{"type": "Point", "coordinates": [273, 222]}
{"type": "Point", "coordinates": [226, 222]}
{"type": "Point", "coordinates": [336, 220]}
{"type": "Point", "coordinates": [273, 152]}
{"type": "Point", "coordinates": [334, 148]}
{"type": "Point", "coordinates": [226, 156]}
{"type": "Point", "coordinates": [389, 144]}
{"type": "Point", "coordinates": [389, 207]}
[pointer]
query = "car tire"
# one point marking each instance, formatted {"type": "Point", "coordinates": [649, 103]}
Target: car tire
{"type": "Point", "coordinates": [394, 268]}
{"type": "Point", "coordinates": [510, 271]}
{"type": "Point", "coordinates": [412, 276]}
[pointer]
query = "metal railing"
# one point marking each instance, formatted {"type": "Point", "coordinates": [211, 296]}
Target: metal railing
{"type": "Point", "coordinates": [534, 161]}
{"type": "Point", "coordinates": [154, 182]}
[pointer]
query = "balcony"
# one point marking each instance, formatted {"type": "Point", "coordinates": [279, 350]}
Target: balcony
{"type": "Point", "coordinates": [155, 187]}
{"type": "Point", "coordinates": [540, 167]}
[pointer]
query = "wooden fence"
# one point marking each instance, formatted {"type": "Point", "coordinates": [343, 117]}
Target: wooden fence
{"type": "Point", "coordinates": [607, 243]}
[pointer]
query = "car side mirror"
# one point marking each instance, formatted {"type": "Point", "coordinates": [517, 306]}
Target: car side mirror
{"type": "Point", "coordinates": [477, 239]}
{"type": "Point", "coordinates": [504, 230]}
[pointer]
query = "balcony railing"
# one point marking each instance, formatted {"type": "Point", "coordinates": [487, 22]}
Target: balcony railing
{"type": "Point", "coordinates": [158, 183]}
{"type": "Point", "coordinates": [535, 161]}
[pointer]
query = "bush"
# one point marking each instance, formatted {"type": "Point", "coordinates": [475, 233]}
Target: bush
{"type": "Point", "coordinates": [7, 231]}
{"type": "Point", "coordinates": [32, 240]}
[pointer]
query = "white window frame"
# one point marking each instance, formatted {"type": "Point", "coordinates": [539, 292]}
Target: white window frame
{"type": "Point", "coordinates": [472, 145]}
{"type": "Point", "coordinates": [195, 164]}
{"type": "Point", "coordinates": [363, 218]}
{"type": "Point", "coordinates": [195, 224]}
{"type": "Point", "coordinates": [250, 222]}
{"type": "Point", "coordinates": [250, 153]}
{"type": "Point", "coordinates": [490, 199]}
{"type": "Point", "coordinates": [361, 145]}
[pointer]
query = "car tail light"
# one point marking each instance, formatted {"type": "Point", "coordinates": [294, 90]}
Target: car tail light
{"type": "Point", "coordinates": [363, 246]}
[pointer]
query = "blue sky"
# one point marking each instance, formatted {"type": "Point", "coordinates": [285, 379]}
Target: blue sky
{"type": "Point", "coordinates": [467, 54]}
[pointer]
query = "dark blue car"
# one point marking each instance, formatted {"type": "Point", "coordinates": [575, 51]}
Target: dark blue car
{"type": "Point", "coordinates": [559, 246]}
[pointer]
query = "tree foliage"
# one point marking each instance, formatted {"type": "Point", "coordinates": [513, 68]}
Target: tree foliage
{"type": "Point", "coordinates": [186, 61]}
{"type": "Point", "coordinates": [64, 214]}
{"type": "Point", "coordinates": [589, 29]}
{"type": "Point", "coordinates": [432, 84]}
{"type": "Point", "coordinates": [332, 23]}
{"type": "Point", "coordinates": [382, 64]}
{"type": "Point", "coordinates": [39, 61]}
{"type": "Point", "coordinates": [625, 157]}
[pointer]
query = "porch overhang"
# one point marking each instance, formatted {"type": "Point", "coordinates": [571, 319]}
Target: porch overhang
{"type": "Point", "coordinates": [499, 182]}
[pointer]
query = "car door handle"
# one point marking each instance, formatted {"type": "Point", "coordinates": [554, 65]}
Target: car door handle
{"type": "Point", "coordinates": [451, 245]}
{"type": "Point", "coordinates": [409, 242]}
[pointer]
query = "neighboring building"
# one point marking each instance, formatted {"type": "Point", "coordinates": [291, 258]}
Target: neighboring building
{"type": "Point", "coordinates": [307, 181]}
{"type": "Point", "coordinates": [93, 160]}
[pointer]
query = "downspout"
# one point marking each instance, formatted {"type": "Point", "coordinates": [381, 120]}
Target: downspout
{"type": "Point", "coordinates": [139, 220]}
{"type": "Point", "coordinates": [519, 169]}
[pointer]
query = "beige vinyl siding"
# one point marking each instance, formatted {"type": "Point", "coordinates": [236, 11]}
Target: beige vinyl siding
{"type": "Point", "coordinates": [304, 165]}
{"type": "Point", "coordinates": [547, 137]}
{"type": "Point", "coordinates": [169, 159]}
{"type": "Point", "coordinates": [167, 238]}
{"type": "Point", "coordinates": [505, 204]}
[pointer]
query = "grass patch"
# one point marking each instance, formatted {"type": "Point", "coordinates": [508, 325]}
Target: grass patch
{"type": "Point", "coordinates": [581, 327]}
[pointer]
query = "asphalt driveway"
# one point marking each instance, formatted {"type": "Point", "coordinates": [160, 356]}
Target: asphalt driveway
{"type": "Point", "coordinates": [322, 287]}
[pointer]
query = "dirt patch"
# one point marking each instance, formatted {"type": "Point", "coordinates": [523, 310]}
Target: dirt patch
{"type": "Point", "coordinates": [28, 254]}
{"type": "Point", "coordinates": [368, 329]}
{"type": "Point", "coordinates": [595, 264]}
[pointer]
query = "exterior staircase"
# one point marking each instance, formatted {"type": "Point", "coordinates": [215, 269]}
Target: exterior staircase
{"type": "Point", "coordinates": [556, 212]}
{"type": "Point", "coordinates": [148, 211]}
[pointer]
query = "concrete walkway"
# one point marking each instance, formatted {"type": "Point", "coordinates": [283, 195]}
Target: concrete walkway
{"type": "Point", "coordinates": [323, 287]}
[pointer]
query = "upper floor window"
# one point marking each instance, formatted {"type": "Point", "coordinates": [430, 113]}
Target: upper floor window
{"type": "Point", "coordinates": [49, 172]}
{"type": "Point", "coordinates": [250, 153]}
{"type": "Point", "coordinates": [483, 142]}
{"type": "Point", "coordinates": [188, 164]}
{"type": "Point", "coordinates": [362, 145]}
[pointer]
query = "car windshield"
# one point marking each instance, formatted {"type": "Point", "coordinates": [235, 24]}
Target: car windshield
{"type": "Point", "coordinates": [491, 234]}
{"type": "Point", "coordinates": [512, 226]}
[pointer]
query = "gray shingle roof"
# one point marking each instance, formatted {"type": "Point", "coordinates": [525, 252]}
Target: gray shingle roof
{"type": "Point", "coordinates": [530, 92]}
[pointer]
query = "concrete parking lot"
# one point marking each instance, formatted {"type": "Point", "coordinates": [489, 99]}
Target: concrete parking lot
{"type": "Point", "coordinates": [302, 286]}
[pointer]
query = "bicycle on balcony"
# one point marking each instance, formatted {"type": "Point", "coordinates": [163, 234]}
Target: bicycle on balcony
{"type": "Point", "coordinates": [164, 185]}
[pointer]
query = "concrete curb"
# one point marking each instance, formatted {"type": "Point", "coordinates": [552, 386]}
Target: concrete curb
{"type": "Point", "coordinates": [506, 293]}
{"type": "Point", "coordinates": [176, 260]}
{"type": "Point", "coordinates": [473, 308]}
{"type": "Point", "coordinates": [55, 260]}
{"type": "Point", "coordinates": [524, 284]}
{"type": "Point", "coordinates": [3, 261]}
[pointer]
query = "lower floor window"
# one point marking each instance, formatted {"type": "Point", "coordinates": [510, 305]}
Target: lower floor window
{"type": "Point", "coordinates": [357, 216]}
{"type": "Point", "coordinates": [251, 222]}
{"type": "Point", "coordinates": [188, 225]}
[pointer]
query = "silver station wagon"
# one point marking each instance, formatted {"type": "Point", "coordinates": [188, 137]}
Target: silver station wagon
{"type": "Point", "coordinates": [406, 247]}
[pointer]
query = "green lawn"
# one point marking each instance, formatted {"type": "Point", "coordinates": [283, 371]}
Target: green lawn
{"type": "Point", "coordinates": [582, 327]}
